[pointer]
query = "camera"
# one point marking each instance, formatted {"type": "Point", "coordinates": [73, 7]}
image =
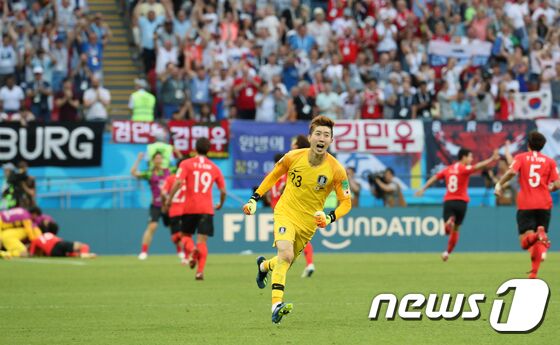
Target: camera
{"type": "Point", "coordinates": [378, 193]}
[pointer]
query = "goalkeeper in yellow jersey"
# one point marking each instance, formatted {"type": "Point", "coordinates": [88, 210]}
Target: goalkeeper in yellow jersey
{"type": "Point", "coordinates": [312, 174]}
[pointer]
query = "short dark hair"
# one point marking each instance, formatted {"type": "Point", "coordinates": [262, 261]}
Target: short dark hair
{"type": "Point", "coordinates": [202, 146]}
{"type": "Point", "coordinates": [51, 227]}
{"type": "Point", "coordinates": [157, 153]}
{"type": "Point", "coordinates": [302, 142]}
{"type": "Point", "coordinates": [321, 120]}
{"type": "Point", "coordinates": [35, 210]}
{"type": "Point", "coordinates": [463, 152]}
{"type": "Point", "coordinates": [536, 141]}
{"type": "Point", "coordinates": [390, 170]}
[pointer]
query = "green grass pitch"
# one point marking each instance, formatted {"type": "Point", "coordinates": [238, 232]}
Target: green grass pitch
{"type": "Point", "coordinates": [120, 300]}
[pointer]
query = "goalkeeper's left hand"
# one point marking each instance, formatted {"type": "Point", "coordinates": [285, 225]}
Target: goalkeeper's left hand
{"type": "Point", "coordinates": [322, 219]}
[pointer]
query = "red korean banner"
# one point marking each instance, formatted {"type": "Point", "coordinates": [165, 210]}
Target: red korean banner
{"type": "Point", "coordinates": [134, 132]}
{"type": "Point", "coordinates": [185, 133]}
{"type": "Point", "coordinates": [378, 136]}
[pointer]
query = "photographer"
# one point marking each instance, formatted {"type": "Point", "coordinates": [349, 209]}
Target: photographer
{"type": "Point", "coordinates": [23, 186]}
{"type": "Point", "coordinates": [384, 186]}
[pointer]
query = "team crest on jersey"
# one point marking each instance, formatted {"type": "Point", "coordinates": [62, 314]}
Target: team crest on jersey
{"type": "Point", "coordinates": [321, 182]}
{"type": "Point", "coordinates": [282, 230]}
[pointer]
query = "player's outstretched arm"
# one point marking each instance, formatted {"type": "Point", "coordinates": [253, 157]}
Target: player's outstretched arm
{"type": "Point", "coordinates": [134, 170]}
{"type": "Point", "coordinates": [430, 182]}
{"type": "Point", "coordinates": [499, 186]}
{"type": "Point", "coordinates": [481, 165]}
{"type": "Point", "coordinates": [279, 170]}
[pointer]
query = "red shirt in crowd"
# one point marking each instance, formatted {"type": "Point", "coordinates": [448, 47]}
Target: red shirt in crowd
{"type": "Point", "coordinates": [535, 172]}
{"type": "Point", "coordinates": [457, 181]}
{"type": "Point", "coordinates": [245, 100]}
{"type": "Point", "coordinates": [199, 174]}
{"type": "Point", "coordinates": [348, 49]}
{"type": "Point", "coordinates": [371, 108]}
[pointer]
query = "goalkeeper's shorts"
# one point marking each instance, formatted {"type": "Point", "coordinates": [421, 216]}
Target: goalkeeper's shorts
{"type": "Point", "coordinates": [287, 230]}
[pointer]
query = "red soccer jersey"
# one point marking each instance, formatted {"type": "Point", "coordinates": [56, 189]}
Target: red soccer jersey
{"type": "Point", "coordinates": [199, 173]}
{"type": "Point", "coordinates": [45, 242]}
{"type": "Point", "coordinates": [535, 172]}
{"type": "Point", "coordinates": [276, 191]}
{"type": "Point", "coordinates": [456, 181]}
{"type": "Point", "coordinates": [176, 208]}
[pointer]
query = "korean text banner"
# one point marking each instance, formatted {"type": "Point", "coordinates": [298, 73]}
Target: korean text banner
{"type": "Point", "coordinates": [135, 132]}
{"type": "Point", "coordinates": [185, 133]}
{"type": "Point", "coordinates": [378, 136]}
{"type": "Point", "coordinates": [254, 145]}
{"type": "Point", "coordinates": [444, 139]}
{"type": "Point", "coordinates": [61, 144]}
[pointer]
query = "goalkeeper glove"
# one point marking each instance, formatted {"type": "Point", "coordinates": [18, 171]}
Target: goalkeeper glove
{"type": "Point", "coordinates": [251, 206]}
{"type": "Point", "coordinates": [322, 220]}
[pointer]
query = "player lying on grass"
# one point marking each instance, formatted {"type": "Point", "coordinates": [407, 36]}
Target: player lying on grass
{"type": "Point", "coordinates": [456, 198]}
{"type": "Point", "coordinates": [538, 176]}
{"type": "Point", "coordinates": [312, 174]}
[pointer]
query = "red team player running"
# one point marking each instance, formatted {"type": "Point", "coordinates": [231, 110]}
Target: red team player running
{"type": "Point", "coordinates": [456, 198]}
{"type": "Point", "coordinates": [175, 211]}
{"type": "Point", "coordinates": [538, 176]}
{"type": "Point", "coordinates": [198, 174]}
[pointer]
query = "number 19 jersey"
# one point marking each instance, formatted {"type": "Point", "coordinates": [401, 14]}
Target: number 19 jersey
{"type": "Point", "coordinates": [535, 172]}
{"type": "Point", "coordinates": [199, 174]}
{"type": "Point", "coordinates": [456, 181]}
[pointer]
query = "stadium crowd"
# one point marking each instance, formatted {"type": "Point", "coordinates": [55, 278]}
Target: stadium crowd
{"type": "Point", "coordinates": [284, 60]}
{"type": "Point", "coordinates": [51, 61]}
{"type": "Point", "coordinates": [291, 60]}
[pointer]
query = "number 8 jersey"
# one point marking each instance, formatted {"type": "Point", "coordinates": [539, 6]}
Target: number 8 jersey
{"type": "Point", "coordinates": [457, 181]}
{"type": "Point", "coordinates": [535, 172]}
{"type": "Point", "coordinates": [199, 174]}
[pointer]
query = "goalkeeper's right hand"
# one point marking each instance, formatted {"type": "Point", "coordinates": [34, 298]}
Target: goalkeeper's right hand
{"type": "Point", "coordinates": [251, 206]}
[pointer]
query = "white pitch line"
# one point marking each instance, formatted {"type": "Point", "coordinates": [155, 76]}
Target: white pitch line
{"type": "Point", "coordinates": [56, 262]}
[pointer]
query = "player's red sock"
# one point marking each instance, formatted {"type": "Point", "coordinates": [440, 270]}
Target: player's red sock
{"type": "Point", "coordinates": [528, 240]}
{"type": "Point", "coordinates": [188, 244]}
{"type": "Point", "coordinates": [202, 251]}
{"type": "Point", "coordinates": [84, 249]}
{"type": "Point", "coordinates": [176, 239]}
{"type": "Point", "coordinates": [144, 248]}
{"type": "Point", "coordinates": [453, 238]}
{"type": "Point", "coordinates": [308, 252]}
{"type": "Point", "coordinates": [536, 257]}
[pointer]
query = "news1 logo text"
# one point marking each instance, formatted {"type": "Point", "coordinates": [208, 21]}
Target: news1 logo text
{"type": "Point", "coordinates": [526, 312]}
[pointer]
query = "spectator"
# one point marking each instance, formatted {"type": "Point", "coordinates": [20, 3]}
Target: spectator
{"type": "Point", "coordinates": [319, 29]}
{"type": "Point", "coordinates": [167, 53]}
{"type": "Point", "coordinates": [483, 102]}
{"type": "Point", "coordinates": [461, 107]}
{"type": "Point", "coordinates": [141, 102]}
{"type": "Point", "coordinates": [505, 103]}
{"type": "Point", "coordinates": [11, 96]}
{"type": "Point", "coordinates": [271, 68]}
{"type": "Point", "coordinates": [147, 28]}
{"type": "Point", "coordinates": [8, 59]}
{"type": "Point", "coordinates": [329, 102]}
{"type": "Point", "coordinates": [405, 100]}
{"type": "Point", "coordinates": [200, 88]}
{"type": "Point", "coordinates": [350, 101]}
{"type": "Point", "coordinates": [96, 101]}
{"type": "Point", "coordinates": [444, 99]}
{"type": "Point", "coordinates": [244, 90]}
{"type": "Point", "coordinates": [220, 86]}
{"type": "Point", "coordinates": [423, 102]}
{"type": "Point", "coordinates": [93, 49]}
{"type": "Point", "coordinates": [280, 105]}
{"type": "Point", "coordinates": [372, 101]}
{"type": "Point", "coordinates": [174, 90]}
{"type": "Point", "coordinates": [67, 103]}
{"type": "Point", "coordinates": [301, 41]}
{"type": "Point", "coordinates": [265, 104]}
{"type": "Point", "coordinates": [81, 76]}
{"type": "Point", "coordinates": [100, 28]}
{"type": "Point", "coordinates": [39, 92]}
{"type": "Point", "coordinates": [60, 59]}
{"type": "Point", "coordinates": [555, 89]}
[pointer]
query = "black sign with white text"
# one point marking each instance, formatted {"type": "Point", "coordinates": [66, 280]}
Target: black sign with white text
{"type": "Point", "coordinates": [65, 144]}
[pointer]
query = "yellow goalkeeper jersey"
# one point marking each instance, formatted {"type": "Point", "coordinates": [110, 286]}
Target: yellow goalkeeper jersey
{"type": "Point", "coordinates": [307, 187]}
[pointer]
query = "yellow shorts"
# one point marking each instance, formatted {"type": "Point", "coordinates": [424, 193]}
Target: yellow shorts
{"type": "Point", "coordinates": [287, 230]}
{"type": "Point", "coordinates": [12, 241]}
